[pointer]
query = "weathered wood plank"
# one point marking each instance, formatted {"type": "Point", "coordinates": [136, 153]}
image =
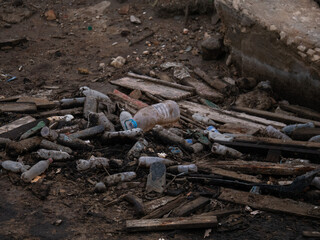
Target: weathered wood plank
{"type": "Point", "coordinates": [154, 204]}
{"type": "Point", "coordinates": [17, 123]}
{"type": "Point", "coordinates": [270, 203]}
{"type": "Point", "coordinates": [17, 107]}
{"type": "Point", "coordinates": [221, 213]}
{"type": "Point", "coordinates": [304, 134]}
{"type": "Point", "coordinates": [235, 175]}
{"type": "Point", "coordinates": [40, 102]}
{"type": "Point", "coordinates": [153, 88]}
{"type": "Point", "coordinates": [254, 167]}
{"type": "Point", "coordinates": [301, 111]}
{"type": "Point", "coordinates": [274, 116]}
{"type": "Point", "coordinates": [73, 111]}
{"type": "Point", "coordinates": [311, 234]}
{"type": "Point", "coordinates": [190, 207]}
{"type": "Point", "coordinates": [171, 223]}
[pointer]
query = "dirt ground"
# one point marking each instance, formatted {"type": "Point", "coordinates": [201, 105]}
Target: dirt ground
{"type": "Point", "coordinates": [48, 62]}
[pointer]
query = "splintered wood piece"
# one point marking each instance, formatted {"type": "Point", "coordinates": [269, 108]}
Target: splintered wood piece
{"type": "Point", "coordinates": [304, 134]}
{"type": "Point", "coordinates": [270, 203]}
{"type": "Point", "coordinates": [73, 111]}
{"type": "Point", "coordinates": [40, 102]}
{"type": "Point", "coordinates": [311, 234]}
{"type": "Point", "coordinates": [154, 204]}
{"type": "Point", "coordinates": [301, 111]}
{"type": "Point", "coordinates": [17, 107]}
{"type": "Point", "coordinates": [275, 116]}
{"type": "Point", "coordinates": [254, 167]}
{"type": "Point", "coordinates": [17, 123]}
{"type": "Point", "coordinates": [235, 175]}
{"type": "Point", "coordinates": [153, 88]}
{"type": "Point", "coordinates": [190, 207]}
{"type": "Point", "coordinates": [273, 156]}
{"type": "Point", "coordinates": [171, 223]}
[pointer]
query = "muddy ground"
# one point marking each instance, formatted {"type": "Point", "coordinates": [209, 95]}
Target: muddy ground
{"type": "Point", "coordinates": [47, 63]}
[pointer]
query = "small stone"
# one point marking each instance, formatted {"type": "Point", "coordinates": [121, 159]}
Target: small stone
{"type": "Point", "coordinates": [301, 48]}
{"type": "Point", "coordinates": [124, 9]}
{"type": "Point", "coordinates": [145, 52]}
{"type": "Point", "coordinates": [188, 49]}
{"type": "Point", "coordinates": [101, 66]}
{"type": "Point", "coordinates": [229, 60]}
{"type": "Point", "coordinates": [152, 73]}
{"type": "Point", "coordinates": [135, 20]}
{"type": "Point", "coordinates": [136, 94]}
{"type": "Point", "coordinates": [282, 35]}
{"type": "Point", "coordinates": [212, 48]}
{"type": "Point", "coordinates": [83, 71]}
{"type": "Point", "coordinates": [310, 52]}
{"type": "Point", "coordinates": [50, 15]}
{"type": "Point", "coordinates": [273, 28]}
{"type": "Point", "coordinates": [58, 222]}
{"type": "Point", "coordinates": [317, 49]}
{"type": "Point", "coordinates": [118, 62]}
{"type": "Point", "coordinates": [315, 58]}
{"type": "Point", "coordinates": [303, 55]}
{"type": "Point", "coordinates": [100, 187]}
{"type": "Point", "coordinates": [185, 31]}
{"type": "Point", "coordinates": [150, 18]}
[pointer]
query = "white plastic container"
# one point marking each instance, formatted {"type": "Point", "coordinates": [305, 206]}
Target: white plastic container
{"type": "Point", "coordinates": [14, 166]}
{"type": "Point", "coordinates": [146, 161]}
{"type": "Point", "coordinates": [119, 177]}
{"type": "Point", "coordinates": [224, 150]}
{"type": "Point", "coordinates": [127, 121]}
{"type": "Point", "coordinates": [56, 155]}
{"type": "Point", "coordinates": [275, 133]}
{"type": "Point", "coordinates": [36, 170]}
{"type": "Point", "coordinates": [161, 113]}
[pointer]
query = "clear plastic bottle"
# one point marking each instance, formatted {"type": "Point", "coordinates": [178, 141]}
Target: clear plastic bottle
{"type": "Point", "coordinates": [96, 94]}
{"type": "Point", "coordinates": [146, 161]}
{"type": "Point", "coordinates": [36, 170]}
{"type": "Point", "coordinates": [14, 166]}
{"type": "Point", "coordinates": [224, 150]}
{"type": "Point", "coordinates": [275, 133]}
{"type": "Point", "coordinates": [119, 177]}
{"type": "Point", "coordinates": [49, 134]}
{"type": "Point", "coordinates": [127, 121]}
{"type": "Point", "coordinates": [190, 168]}
{"type": "Point", "coordinates": [56, 155]}
{"type": "Point", "coordinates": [215, 135]}
{"type": "Point", "coordinates": [137, 148]}
{"type": "Point", "coordinates": [203, 119]}
{"type": "Point", "coordinates": [93, 162]}
{"type": "Point", "coordinates": [161, 113]}
{"type": "Point", "coordinates": [290, 128]}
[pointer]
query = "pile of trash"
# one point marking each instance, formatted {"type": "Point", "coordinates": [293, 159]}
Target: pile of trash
{"type": "Point", "coordinates": [185, 150]}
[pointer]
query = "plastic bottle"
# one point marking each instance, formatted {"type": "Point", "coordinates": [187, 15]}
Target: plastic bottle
{"type": "Point", "coordinates": [137, 148]}
{"type": "Point", "coordinates": [36, 170]}
{"type": "Point", "coordinates": [133, 133]}
{"type": "Point", "coordinates": [101, 119]}
{"type": "Point", "coordinates": [146, 161]}
{"type": "Point", "coordinates": [316, 182]}
{"type": "Point", "coordinates": [56, 155]}
{"type": "Point", "coordinates": [315, 139]}
{"type": "Point", "coordinates": [88, 132]}
{"type": "Point", "coordinates": [119, 177]}
{"type": "Point", "coordinates": [93, 162]}
{"type": "Point", "coordinates": [54, 146]}
{"type": "Point", "coordinates": [14, 166]}
{"type": "Point", "coordinates": [127, 121]}
{"type": "Point", "coordinates": [275, 133]}
{"type": "Point", "coordinates": [161, 113]}
{"type": "Point", "coordinates": [215, 135]}
{"type": "Point", "coordinates": [190, 168]}
{"type": "Point", "coordinates": [224, 150]}
{"type": "Point", "coordinates": [290, 128]}
{"type": "Point", "coordinates": [203, 119]}
{"type": "Point", "coordinates": [49, 134]}
{"type": "Point", "coordinates": [96, 94]}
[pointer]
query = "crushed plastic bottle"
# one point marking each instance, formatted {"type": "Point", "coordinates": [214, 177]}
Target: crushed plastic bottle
{"type": "Point", "coordinates": [161, 113]}
{"type": "Point", "coordinates": [49, 134]}
{"type": "Point", "coordinates": [275, 133]}
{"type": "Point", "coordinates": [215, 135]}
{"type": "Point", "coordinates": [137, 148]}
{"type": "Point", "coordinates": [146, 161]}
{"type": "Point", "coordinates": [127, 121]}
{"type": "Point", "coordinates": [203, 119]}
{"type": "Point", "coordinates": [224, 150]}
{"type": "Point", "coordinates": [290, 128]}
{"type": "Point", "coordinates": [190, 168]}
{"type": "Point", "coordinates": [156, 180]}
{"type": "Point", "coordinates": [14, 166]}
{"type": "Point", "coordinates": [56, 155]}
{"type": "Point", "coordinates": [36, 170]}
{"type": "Point", "coordinates": [93, 162]}
{"type": "Point", "coordinates": [96, 94]}
{"type": "Point", "coordinates": [119, 177]}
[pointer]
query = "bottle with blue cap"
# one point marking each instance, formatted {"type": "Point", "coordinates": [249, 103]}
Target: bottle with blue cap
{"type": "Point", "coordinates": [127, 121]}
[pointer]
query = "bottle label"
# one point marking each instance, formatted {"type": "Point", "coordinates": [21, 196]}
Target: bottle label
{"type": "Point", "coordinates": [162, 110]}
{"type": "Point", "coordinates": [130, 124]}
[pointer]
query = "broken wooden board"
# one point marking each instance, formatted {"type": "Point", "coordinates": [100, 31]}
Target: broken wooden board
{"type": "Point", "coordinates": [270, 203]}
{"type": "Point", "coordinates": [159, 212]}
{"type": "Point", "coordinates": [254, 167]}
{"type": "Point", "coordinates": [311, 234]}
{"type": "Point", "coordinates": [301, 111]}
{"type": "Point", "coordinates": [21, 107]}
{"type": "Point", "coordinates": [204, 90]}
{"type": "Point", "coordinates": [304, 134]}
{"type": "Point", "coordinates": [159, 202]}
{"type": "Point", "coordinates": [274, 116]}
{"type": "Point", "coordinates": [190, 207]}
{"type": "Point", "coordinates": [126, 99]}
{"type": "Point", "coordinates": [72, 111]}
{"type": "Point", "coordinates": [218, 116]}
{"type": "Point", "coordinates": [15, 124]}
{"type": "Point", "coordinates": [221, 213]}
{"type": "Point", "coordinates": [236, 129]}
{"type": "Point", "coordinates": [40, 102]}
{"type": "Point", "coordinates": [153, 88]}
{"type": "Point", "coordinates": [234, 175]}
{"type": "Point", "coordinates": [171, 223]}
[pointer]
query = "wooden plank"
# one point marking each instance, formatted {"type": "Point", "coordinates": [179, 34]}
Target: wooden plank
{"type": "Point", "coordinates": [40, 102]}
{"type": "Point", "coordinates": [217, 116]}
{"type": "Point", "coordinates": [171, 223]}
{"type": "Point", "coordinates": [311, 234]}
{"type": "Point", "coordinates": [17, 123]}
{"type": "Point", "coordinates": [216, 83]}
{"type": "Point", "coordinates": [204, 90]}
{"type": "Point", "coordinates": [235, 175]}
{"type": "Point", "coordinates": [274, 116]}
{"type": "Point", "coordinates": [125, 98]}
{"type": "Point", "coordinates": [237, 129]}
{"type": "Point", "coordinates": [154, 204]}
{"type": "Point", "coordinates": [270, 203]}
{"type": "Point", "coordinates": [153, 88]}
{"type": "Point", "coordinates": [17, 107]}
{"type": "Point", "coordinates": [190, 207]}
{"type": "Point", "coordinates": [304, 134]}
{"type": "Point", "coordinates": [221, 213]}
{"type": "Point", "coordinates": [159, 212]}
{"type": "Point", "coordinates": [254, 167]}
{"type": "Point", "coordinates": [72, 111]}
{"type": "Point", "coordinates": [301, 111]}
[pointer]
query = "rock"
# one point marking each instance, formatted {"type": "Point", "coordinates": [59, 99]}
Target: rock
{"type": "Point", "coordinates": [212, 48]}
{"type": "Point", "coordinates": [185, 31]}
{"type": "Point", "coordinates": [50, 15]}
{"type": "Point", "coordinates": [83, 71]}
{"type": "Point", "coordinates": [100, 187]}
{"type": "Point", "coordinates": [118, 62]}
{"type": "Point", "coordinates": [246, 83]}
{"type": "Point", "coordinates": [124, 9]}
{"type": "Point", "coordinates": [135, 20]}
